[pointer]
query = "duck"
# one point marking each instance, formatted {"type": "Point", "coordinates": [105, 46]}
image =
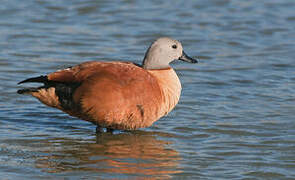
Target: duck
{"type": "Point", "coordinates": [116, 95]}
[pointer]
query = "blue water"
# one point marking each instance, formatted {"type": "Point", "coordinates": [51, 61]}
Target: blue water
{"type": "Point", "coordinates": [235, 118]}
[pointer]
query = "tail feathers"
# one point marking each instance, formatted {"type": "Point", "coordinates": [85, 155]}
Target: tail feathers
{"type": "Point", "coordinates": [27, 90]}
{"type": "Point", "coordinates": [39, 79]}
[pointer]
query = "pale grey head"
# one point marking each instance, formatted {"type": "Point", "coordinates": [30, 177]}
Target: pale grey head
{"type": "Point", "coordinates": [163, 51]}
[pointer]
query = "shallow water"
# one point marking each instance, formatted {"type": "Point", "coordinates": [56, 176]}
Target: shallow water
{"type": "Point", "coordinates": [235, 118]}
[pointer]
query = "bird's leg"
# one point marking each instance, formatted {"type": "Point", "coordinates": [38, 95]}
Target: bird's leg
{"type": "Point", "coordinates": [109, 130]}
{"type": "Point", "coordinates": [99, 129]}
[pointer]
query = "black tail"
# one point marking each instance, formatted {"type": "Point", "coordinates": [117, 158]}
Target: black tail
{"type": "Point", "coordinates": [63, 90]}
{"type": "Point", "coordinates": [39, 79]}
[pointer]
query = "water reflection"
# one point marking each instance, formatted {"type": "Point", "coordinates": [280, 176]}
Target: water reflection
{"type": "Point", "coordinates": [139, 153]}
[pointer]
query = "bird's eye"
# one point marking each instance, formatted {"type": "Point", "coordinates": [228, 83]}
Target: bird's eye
{"type": "Point", "coordinates": [174, 46]}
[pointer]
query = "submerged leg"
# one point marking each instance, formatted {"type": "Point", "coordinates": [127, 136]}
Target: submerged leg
{"type": "Point", "coordinates": [99, 129]}
{"type": "Point", "coordinates": [109, 130]}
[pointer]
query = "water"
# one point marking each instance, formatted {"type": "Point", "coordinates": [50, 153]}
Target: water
{"type": "Point", "coordinates": [235, 118]}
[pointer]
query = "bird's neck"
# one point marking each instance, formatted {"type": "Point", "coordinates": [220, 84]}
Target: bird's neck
{"type": "Point", "coordinates": [154, 61]}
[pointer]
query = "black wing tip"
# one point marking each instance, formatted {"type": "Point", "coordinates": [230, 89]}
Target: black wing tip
{"type": "Point", "coordinates": [27, 90]}
{"type": "Point", "coordinates": [39, 79]}
{"type": "Point", "coordinates": [21, 91]}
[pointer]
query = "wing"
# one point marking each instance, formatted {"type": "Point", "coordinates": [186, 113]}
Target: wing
{"type": "Point", "coordinates": [58, 87]}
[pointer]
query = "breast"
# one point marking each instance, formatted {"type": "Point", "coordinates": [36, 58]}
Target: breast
{"type": "Point", "coordinates": [170, 86]}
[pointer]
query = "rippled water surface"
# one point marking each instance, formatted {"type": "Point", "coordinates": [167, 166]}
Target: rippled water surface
{"type": "Point", "coordinates": [235, 118]}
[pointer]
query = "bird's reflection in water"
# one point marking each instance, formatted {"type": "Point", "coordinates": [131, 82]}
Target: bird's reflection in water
{"type": "Point", "coordinates": [138, 153]}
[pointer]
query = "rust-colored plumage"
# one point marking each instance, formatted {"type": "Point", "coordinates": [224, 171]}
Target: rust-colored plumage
{"type": "Point", "coordinates": [114, 95]}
